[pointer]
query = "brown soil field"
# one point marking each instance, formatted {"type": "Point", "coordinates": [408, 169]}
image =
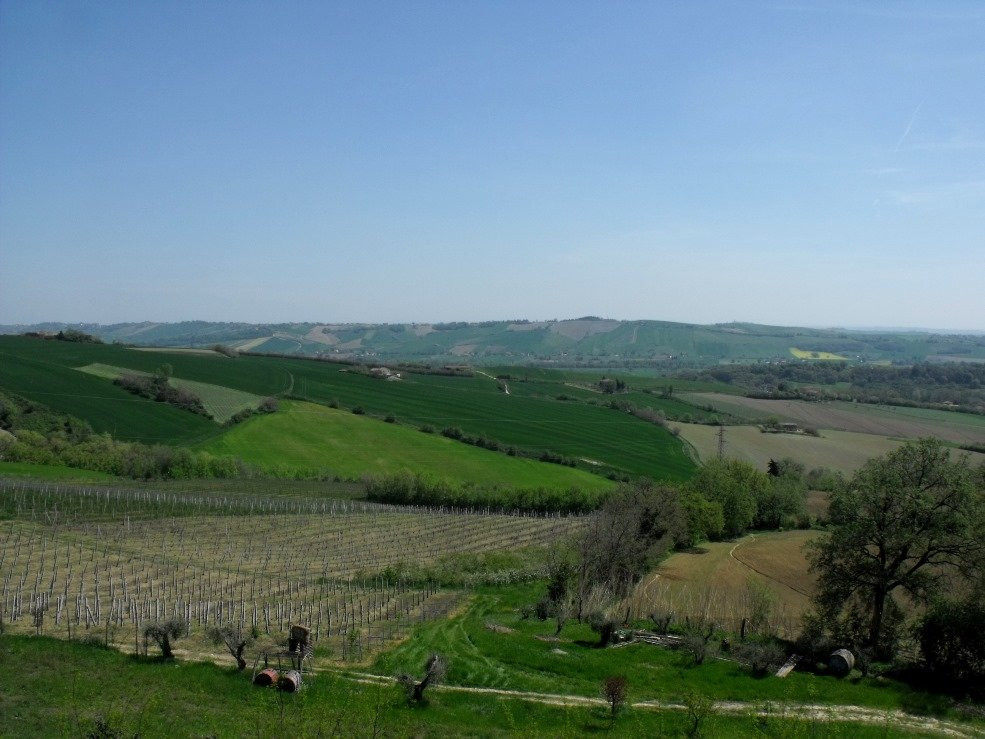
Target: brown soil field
{"type": "Point", "coordinates": [713, 580]}
{"type": "Point", "coordinates": [838, 450]}
{"type": "Point", "coordinates": [906, 423]}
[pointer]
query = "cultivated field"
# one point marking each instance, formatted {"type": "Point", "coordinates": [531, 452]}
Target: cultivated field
{"type": "Point", "coordinates": [45, 371]}
{"type": "Point", "coordinates": [827, 356]}
{"type": "Point", "coordinates": [895, 421]}
{"type": "Point", "coordinates": [222, 403]}
{"type": "Point", "coordinates": [75, 560]}
{"type": "Point", "coordinates": [712, 581]}
{"type": "Point", "coordinates": [306, 437]}
{"type": "Point", "coordinates": [838, 450]}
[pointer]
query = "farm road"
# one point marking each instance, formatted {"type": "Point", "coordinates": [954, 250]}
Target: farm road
{"type": "Point", "coordinates": [802, 711]}
{"type": "Point", "coordinates": [506, 387]}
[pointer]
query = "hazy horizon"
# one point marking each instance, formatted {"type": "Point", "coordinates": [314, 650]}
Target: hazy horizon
{"type": "Point", "coordinates": [783, 163]}
{"type": "Point", "coordinates": [822, 327]}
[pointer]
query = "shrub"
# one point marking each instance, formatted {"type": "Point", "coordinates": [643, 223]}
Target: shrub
{"type": "Point", "coordinates": [952, 640]}
{"type": "Point", "coordinates": [359, 410]}
{"type": "Point", "coordinates": [760, 657]}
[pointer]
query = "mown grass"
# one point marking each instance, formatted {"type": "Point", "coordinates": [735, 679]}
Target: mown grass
{"type": "Point", "coordinates": [69, 689]}
{"type": "Point", "coordinates": [310, 437]}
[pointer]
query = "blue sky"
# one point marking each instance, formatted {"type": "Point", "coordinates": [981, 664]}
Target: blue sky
{"type": "Point", "coordinates": [780, 162]}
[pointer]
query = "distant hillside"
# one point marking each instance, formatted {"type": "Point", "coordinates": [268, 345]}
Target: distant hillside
{"type": "Point", "coordinates": [586, 341]}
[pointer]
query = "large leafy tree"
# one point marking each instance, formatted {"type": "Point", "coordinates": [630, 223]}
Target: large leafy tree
{"type": "Point", "coordinates": [908, 522]}
{"type": "Point", "coordinates": [737, 486]}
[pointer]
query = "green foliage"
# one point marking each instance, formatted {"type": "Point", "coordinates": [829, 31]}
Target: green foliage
{"type": "Point", "coordinates": [952, 640]}
{"type": "Point", "coordinates": [405, 488]}
{"type": "Point", "coordinates": [101, 453]}
{"type": "Point", "coordinates": [633, 530]}
{"type": "Point", "coordinates": [911, 521]}
{"type": "Point", "coordinates": [163, 633]}
{"type": "Point", "coordinates": [737, 486]}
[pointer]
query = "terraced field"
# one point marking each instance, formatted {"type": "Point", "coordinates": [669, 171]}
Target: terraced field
{"type": "Point", "coordinates": [310, 437]}
{"type": "Point", "coordinates": [893, 421]}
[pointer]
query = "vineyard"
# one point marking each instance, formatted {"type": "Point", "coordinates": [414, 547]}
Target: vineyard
{"type": "Point", "coordinates": [103, 563]}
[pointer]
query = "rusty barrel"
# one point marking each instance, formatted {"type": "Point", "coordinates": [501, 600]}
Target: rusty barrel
{"type": "Point", "coordinates": [290, 681]}
{"type": "Point", "coordinates": [266, 677]}
{"type": "Point", "coordinates": [841, 662]}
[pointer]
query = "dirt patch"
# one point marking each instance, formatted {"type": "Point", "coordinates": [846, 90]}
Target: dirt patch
{"type": "Point", "coordinates": [578, 330]}
{"type": "Point", "coordinates": [251, 344]}
{"type": "Point", "coordinates": [421, 329]}
{"type": "Point", "coordinates": [461, 350]}
{"type": "Point", "coordinates": [319, 335]}
{"type": "Point", "coordinates": [498, 628]}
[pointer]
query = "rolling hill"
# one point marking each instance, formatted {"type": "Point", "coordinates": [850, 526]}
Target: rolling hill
{"type": "Point", "coordinates": [588, 340]}
{"type": "Point", "coordinates": [589, 435]}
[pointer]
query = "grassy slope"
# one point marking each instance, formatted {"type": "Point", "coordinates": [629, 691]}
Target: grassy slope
{"type": "Point", "coordinates": [312, 437]}
{"type": "Point", "coordinates": [839, 450]}
{"type": "Point", "coordinates": [62, 689]}
{"type": "Point", "coordinates": [474, 404]}
{"type": "Point", "coordinates": [520, 661]}
{"type": "Point", "coordinates": [477, 406]}
{"type": "Point", "coordinates": [106, 407]}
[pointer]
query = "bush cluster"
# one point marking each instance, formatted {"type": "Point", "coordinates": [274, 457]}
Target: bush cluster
{"type": "Point", "coordinates": [158, 388]}
{"type": "Point", "coordinates": [409, 489]}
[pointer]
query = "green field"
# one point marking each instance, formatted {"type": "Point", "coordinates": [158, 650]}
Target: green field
{"type": "Point", "coordinates": [222, 403]}
{"type": "Point", "coordinates": [105, 406]}
{"type": "Point", "coordinates": [312, 438]}
{"type": "Point", "coordinates": [613, 441]}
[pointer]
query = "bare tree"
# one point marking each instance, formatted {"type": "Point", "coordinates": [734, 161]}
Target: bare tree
{"type": "Point", "coordinates": [614, 689]}
{"type": "Point", "coordinates": [635, 527]}
{"type": "Point", "coordinates": [434, 672]}
{"type": "Point", "coordinates": [697, 640]}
